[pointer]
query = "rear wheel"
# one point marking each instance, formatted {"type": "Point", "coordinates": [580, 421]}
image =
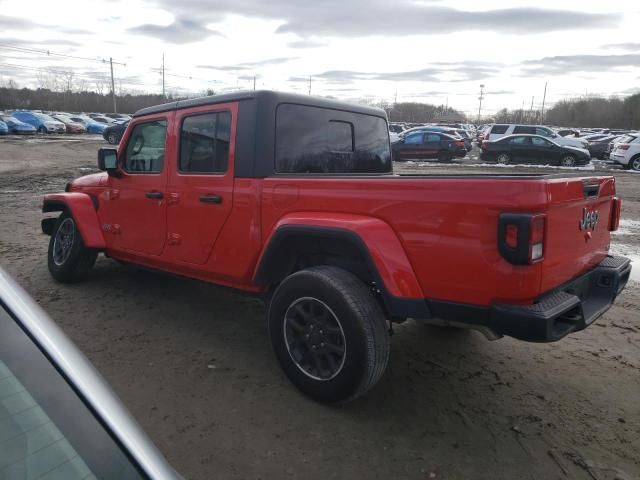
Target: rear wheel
{"type": "Point", "coordinates": [68, 259]}
{"type": "Point", "coordinates": [568, 161]}
{"type": "Point", "coordinates": [328, 333]}
{"type": "Point", "coordinates": [444, 157]}
{"type": "Point", "coordinates": [112, 138]}
{"type": "Point", "coordinates": [634, 164]}
{"type": "Point", "coordinates": [504, 158]}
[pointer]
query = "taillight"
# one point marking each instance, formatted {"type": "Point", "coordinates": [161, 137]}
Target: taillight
{"type": "Point", "coordinates": [460, 143]}
{"type": "Point", "coordinates": [521, 237]}
{"type": "Point", "coordinates": [616, 208]}
{"type": "Point", "coordinates": [624, 146]}
{"type": "Point", "coordinates": [484, 145]}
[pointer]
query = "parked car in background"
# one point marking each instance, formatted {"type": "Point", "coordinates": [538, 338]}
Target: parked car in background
{"type": "Point", "coordinates": [503, 130]}
{"type": "Point", "coordinates": [119, 117]}
{"type": "Point", "coordinates": [106, 120]}
{"type": "Point", "coordinates": [71, 126]}
{"type": "Point", "coordinates": [614, 144]}
{"type": "Point", "coordinates": [395, 128]}
{"type": "Point", "coordinates": [41, 122]}
{"type": "Point", "coordinates": [113, 133]}
{"type": "Point", "coordinates": [58, 417]}
{"type": "Point", "coordinates": [4, 130]}
{"type": "Point", "coordinates": [532, 149]}
{"type": "Point", "coordinates": [428, 144]}
{"type": "Point", "coordinates": [568, 132]}
{"type": "Point", "coordinates": [90, 124]}
{"type": "Point", "coordinates": [598, 147]}
{"type": "Point", "coordinates": [627, 152]}
{"type": "Point", "coordinates": [15, 126]}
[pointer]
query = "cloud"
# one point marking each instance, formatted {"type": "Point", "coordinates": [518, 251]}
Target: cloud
{"type": "Point", "coordinates": [24, 43]}
{"type": "Point", "coordinates": [339, 18]}
{"type": "Point", "coordinates": [570, 64]}
{"type": "Point", "coordinates": [305, 43]}
{"type": "Point", "coordinates": [22, 24]}
{"type": "Point", "coordinates": [631, 47]}
{"type": "Point", "coordinates": [182, 30]}
{"type": "Point", "coordinates": [249, 65]}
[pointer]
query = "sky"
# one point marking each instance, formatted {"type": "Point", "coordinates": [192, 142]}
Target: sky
{"type": "Point", "coordinates": [432, 51]}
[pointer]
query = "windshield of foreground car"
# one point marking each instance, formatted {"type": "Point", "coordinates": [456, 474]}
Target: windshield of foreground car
{"type": "Point", "coordinates": [46, 431]}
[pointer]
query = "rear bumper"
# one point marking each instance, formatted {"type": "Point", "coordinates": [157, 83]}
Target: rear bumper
{"type": "Point", "coordinates": [567, 309]}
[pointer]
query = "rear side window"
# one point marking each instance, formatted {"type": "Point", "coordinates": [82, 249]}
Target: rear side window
{"type": "Point", "coordinates": [499, 128]}
{"type": "Point", "coordinates": [519, 141]}
{"type": "Point", "coordinates": [204, 143]}
{"type": "Point", "coordinates": [145, 149]}
{"type": "Point", "coordinates": [321, 140]}
{"type": "Point", "coordinates": [414, 139]}
{"type": "Point", "coordinates": [525, 129]}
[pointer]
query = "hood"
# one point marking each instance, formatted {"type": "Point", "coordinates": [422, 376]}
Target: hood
{"type": "Point", "coordinates": [578, 149]}
{"type": "Point", "coordinates": [93, 180]}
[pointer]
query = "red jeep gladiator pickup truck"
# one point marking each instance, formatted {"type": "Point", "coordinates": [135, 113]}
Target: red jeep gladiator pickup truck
{"type": "Point", "coordinates": [294, 198]}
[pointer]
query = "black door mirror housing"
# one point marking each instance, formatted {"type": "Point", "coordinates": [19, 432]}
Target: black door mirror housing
{"type": "Point", "coordinates": [108, 160]}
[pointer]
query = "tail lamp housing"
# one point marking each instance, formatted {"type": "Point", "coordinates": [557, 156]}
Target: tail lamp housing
{"type": "Point", "coordinates": [616, 208]}
{"type": "Point", "coordinates": [521, 237]}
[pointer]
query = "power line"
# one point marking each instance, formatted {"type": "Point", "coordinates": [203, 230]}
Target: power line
{"type": "Point", "coordinates": [50, 53]}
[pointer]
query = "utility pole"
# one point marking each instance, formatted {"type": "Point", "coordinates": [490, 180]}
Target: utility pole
{"type": "Point", "coordinates": [163, 96]}
{"type": "Point", "coordinates": [113, 87]}
{"type": "Point", "coordinates": [480, 98]}
{"type": "Point", "coordinates": [254, 82]}
{"type": "Point", "coordinates": [544, 97]}
{"type": "Point", "coordinates": [309, 84]}
{"type": "Point", "coordinates": [531, 110]}
{"type": "Point", "coordinates": [522, 112]}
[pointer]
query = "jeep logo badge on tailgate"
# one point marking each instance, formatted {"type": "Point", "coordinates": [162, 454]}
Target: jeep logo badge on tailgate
{"type": "Point", "coordinates": [589, 219]}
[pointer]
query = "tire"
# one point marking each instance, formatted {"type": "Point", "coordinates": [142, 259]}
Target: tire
{"type": "Point", "coordinates": [634, 163]}
{"type": "Point", "coordinates": [504, 159]}
{"type": "Point", "coordinates": [42, 130]}
{"type": "Point", "coordinates": [444, 157]}
{"type": "Point", "coordinates": [112, 138]}
{"type": "Point", "coordinates": [70, 264]}
{"type": "Point", "coordinates": [568, 161]}
{"type": "Point", "coordinates": [331, 299]}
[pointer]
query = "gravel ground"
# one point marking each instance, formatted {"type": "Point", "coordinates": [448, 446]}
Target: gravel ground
{"type": "Point", "coordinates": [193, 364]}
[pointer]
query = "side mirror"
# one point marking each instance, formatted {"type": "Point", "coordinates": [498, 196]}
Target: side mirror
{"type": "Point", "coordinates": [108, 160]}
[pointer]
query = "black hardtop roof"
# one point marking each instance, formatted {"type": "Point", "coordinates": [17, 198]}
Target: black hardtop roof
{"type": "Point", "coordinates": [270, 97]}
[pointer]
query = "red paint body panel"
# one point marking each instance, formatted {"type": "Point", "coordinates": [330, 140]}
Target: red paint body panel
{"type": "Point", "coordinates": [429, 237]}
{"type": "Point", "coordinates": [84, 213]}
{"type": "Point", "coordinates": [385, 249]}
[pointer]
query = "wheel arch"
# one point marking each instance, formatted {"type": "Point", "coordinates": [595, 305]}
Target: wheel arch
{"type": "Point", "coordinates": [366, 247]}
{"type": "Point", "coordinates": [83, 208]}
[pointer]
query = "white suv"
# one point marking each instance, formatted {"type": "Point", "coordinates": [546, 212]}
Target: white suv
{"type": "Point", "coordinates": [627, 152]}
{"type": "Point", "coordinates": [502, 130]}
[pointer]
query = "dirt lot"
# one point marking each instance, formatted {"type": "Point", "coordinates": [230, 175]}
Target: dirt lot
{"type": "Point", "coordinates": [193, 364]}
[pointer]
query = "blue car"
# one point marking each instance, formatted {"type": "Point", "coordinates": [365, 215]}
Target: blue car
{"type": "Point", "coordinates": [90, 123]}
{"type": "Point", "coordinates": [42, 123]}
{"type": "Point", "coordinates": [3, 128]}
{"type": "Point", "coordinates": [15, 126]}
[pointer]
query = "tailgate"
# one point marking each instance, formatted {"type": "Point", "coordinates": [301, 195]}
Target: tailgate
{"type": "Point", "coordinates": [574, 244]}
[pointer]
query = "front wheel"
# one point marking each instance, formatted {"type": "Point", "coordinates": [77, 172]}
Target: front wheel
{"type": "Point", "coordinates": [568, 161]}
{"type": "Point", "coordinates": [42, 130]}
{"type": "Point", "coordinates": [328, 333]}
{"type": "Point", "coordinates": [68, 259]}
{"type": "Point", "coordinates": [504, 159]}
{"type": "Point", "coordinates": [112, 138]}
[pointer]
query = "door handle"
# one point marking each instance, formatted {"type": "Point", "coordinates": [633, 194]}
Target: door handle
{"type": "Point", "coordinates": [154, 195]}
{"type": "Point", "coordinates": [210, 198]}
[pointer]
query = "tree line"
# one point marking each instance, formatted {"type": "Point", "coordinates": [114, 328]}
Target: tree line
{"type": "Point", "coordinates": [614, 112]}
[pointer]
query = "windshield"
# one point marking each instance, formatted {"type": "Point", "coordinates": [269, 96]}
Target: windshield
{"type": "Point", "coordinates": [46, 431]}
{"type": "Point", "coordinates": [7, 118]}
{"type": "Point", "coordinates": [44, 118]}
{"type": "Point", "coordinates": [63, 118]}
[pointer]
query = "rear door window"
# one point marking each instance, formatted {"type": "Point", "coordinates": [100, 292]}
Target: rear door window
{"type": "Point", "coordinates": [323, 140]}
{"type": "Point", "coordinates": [414, 139]}
{"type": "Point", "coordinates": [204, 143]}
{"type": "Point", "coordinates": [499, 129]}
{"type": "Point", "coordinates": [431, 137]}
{"type": "Point", "coordinates": [524, 129]}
